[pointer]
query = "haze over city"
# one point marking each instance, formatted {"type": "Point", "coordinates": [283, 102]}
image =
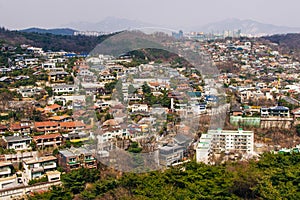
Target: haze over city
{"type": "Point", "coordinates": [169, 13]}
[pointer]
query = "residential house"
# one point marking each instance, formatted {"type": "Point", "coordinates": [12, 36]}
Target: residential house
{"type": "Point", "coordinates": [171, 154]}
{"type": "Point", "coordinates": [91, 88]}
{"type": "Point", "coordinates": [236, 111]}
{"type": "Point", "coordinates": [107, 77]}
{"type": "Point", "coordinates": [63, 89]}
{"type": "Point", "coordinates": [111, 129]}
{"type": "Point", "coordinates": [75, 158]}
{"type": "Point", "coordinates": [49, 65]}
{"type": "Point", "coordinates": [76, 137]}
{"type": "Point", "coordinates": [22, 127]}
{"type": "Point", "coordinates": [29, 91]}
{"type": "Point", "coordinates": [296, 114]}
{"type": "Point", "coordinates": [74, 126]}
{"type": "Point", "coordinates": [139, 108]}
{"type": "Point", "coordinates": [46, 127]}
{"type": "Point", "coordinates": [46, 141]}
{"type": "Point", "coordinates": [40, 166]}
{"type": "Point", "coordinates": [277, 111]}
{"type": "Point", "coordinates": [61, 118]}
{"type": "Point", "coordinates": [3, 129]}
{"type": "Point", "coordinates": [7, 176]}
{"type": "Point", "coordinates": [57, 76]}
{"type": "Point", "coordinates": [17, 143]}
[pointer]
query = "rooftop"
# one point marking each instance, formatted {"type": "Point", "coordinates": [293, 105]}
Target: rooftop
{"type": "Point", "coordinates": [39, 160]}
{"type": "Point", "coordinates": [17, 138]}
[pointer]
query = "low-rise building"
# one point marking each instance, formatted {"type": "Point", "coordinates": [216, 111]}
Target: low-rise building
{"type": "Point", "coordinates": [57, 76]}
{"type": "Point", "coordinates": [74, 126]}
{"type": "Point", "coordinates": [277, 111]}
{"type": "Point", "coordinates": [139, 108]}
{"type": "Point", "coordinates": [63, 89]}
{"type": "Point", "coordinates": [46, 127]}
{"type": "Point", "coordinates": [171, 154]}
{"type": "Point", "coordinates": [8, 177]}
{"type": "Point", "coordinates": [29, 91]}
{"type": "Point", "coordinates": [39, 167]}
{"type": "Point", "coordinates": [48, 141]}
{"type": "Point", "coordinates": [75, 158]}
{"type": "Point", "coordinates": [17, 143]}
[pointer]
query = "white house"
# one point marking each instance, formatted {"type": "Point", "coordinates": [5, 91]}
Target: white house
{"type": "Point", "coordinates": [139, 108]}
{"type": "Point", "coordinates": [18, 143]}
{"type": "Point", "coordinates": [39, 167]}
{"type": "Point", "coordinates": [7, 177]}
{"type": "Point", "coordinates": [63, 89]}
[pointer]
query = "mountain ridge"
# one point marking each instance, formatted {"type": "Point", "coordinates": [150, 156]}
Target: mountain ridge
{"type": "Point", "coordinates": [109, 24]}
{"type": "Point", "coordinates": [54, 31]}
{"type": "Point", "coordinates": [247, 26]}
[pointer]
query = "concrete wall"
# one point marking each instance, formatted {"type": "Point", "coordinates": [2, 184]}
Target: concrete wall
{"type": "Point", "coordinates": [284, 123]}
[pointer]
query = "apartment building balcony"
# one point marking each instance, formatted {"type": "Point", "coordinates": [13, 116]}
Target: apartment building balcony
{"type": "Point", "coordinates": [4, 171]}
{"type": "Point", "coordinates": [51, 165]}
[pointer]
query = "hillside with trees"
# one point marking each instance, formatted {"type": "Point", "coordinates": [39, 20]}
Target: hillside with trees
{"type": "Point", "coordinates": [274, 176]}
{"type": "Point", "coordinates": [49, 41]}
{"type": "Point", "coordinates": [288, 43]}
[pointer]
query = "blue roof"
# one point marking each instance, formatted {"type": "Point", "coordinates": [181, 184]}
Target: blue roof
{"type": "Point", "coordinates": [280, 108]}
{"type": "Point", "coordinates": [194, 94]}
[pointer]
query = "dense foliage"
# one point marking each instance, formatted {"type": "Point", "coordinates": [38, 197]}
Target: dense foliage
{"type": "Point", "coordinates": [50, 41]}
{"type": "Point", "coordinates": [275, 176]}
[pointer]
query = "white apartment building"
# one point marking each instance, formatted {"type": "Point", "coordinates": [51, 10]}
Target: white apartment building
{"type": "Point", "coordinates": [217, 141]}
{"type": "Point", "coordinates": [204, 149]}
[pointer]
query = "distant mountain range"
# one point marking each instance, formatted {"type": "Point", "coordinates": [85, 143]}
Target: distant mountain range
{"type": "Point", "coordinates": [249, 27]}
{"type": "Point", "coordinates": [56, 31]}
{"type": "Point", "coordinates": [109, 24]}
{"type": "Point", "coordinates": [113, 24]}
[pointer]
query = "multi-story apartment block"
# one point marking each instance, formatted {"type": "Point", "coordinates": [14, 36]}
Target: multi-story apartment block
{"type": "Point", "coordinates": [204, 149]}
{"type": "Point", "coordinates": [217, 141]}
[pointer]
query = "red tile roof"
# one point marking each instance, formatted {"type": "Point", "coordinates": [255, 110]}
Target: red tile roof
{"type": "Point", "coordinates": [2, 127]}
{"type": "Point", "coordinates": [47, 136]}
{"type": "Point", "coordinates": [72, 124]}
{"type": "Point", "coordinates": [52, 107]}
{"type": "Point", "coordinates": [44, 124]}
{"type": "Point", "coordinates": [16, 126]}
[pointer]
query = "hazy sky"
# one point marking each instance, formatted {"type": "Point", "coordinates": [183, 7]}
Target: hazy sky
{"type": "Point", "coordinates": [17, 14]}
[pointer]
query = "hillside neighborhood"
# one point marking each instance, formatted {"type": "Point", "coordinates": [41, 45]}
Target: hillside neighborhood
{"type": "Point", "coordinates": [61, 111]}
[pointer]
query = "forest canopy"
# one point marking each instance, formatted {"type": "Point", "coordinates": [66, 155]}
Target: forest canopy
{"type": "Point", "coordinates": [274, 176]}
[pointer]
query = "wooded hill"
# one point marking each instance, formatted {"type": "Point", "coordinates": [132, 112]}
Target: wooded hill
{"type": "Point", "coordinates": [52, 42]}
{"type": "Point", "coordinates": [288, 43]}
{"type": "Point", "coordinates": [275, 176]}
